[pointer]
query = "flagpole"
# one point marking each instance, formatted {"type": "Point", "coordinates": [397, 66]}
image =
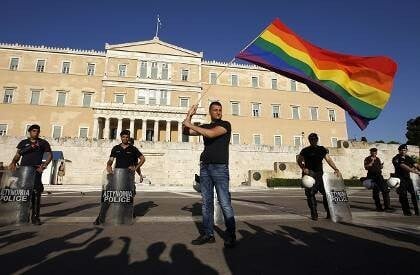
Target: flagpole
{"type": "Point", "coordinates": [227, 66]}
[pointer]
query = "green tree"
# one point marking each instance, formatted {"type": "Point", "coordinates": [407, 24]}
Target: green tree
{"type": "Point", "coordinates": [413, 131]}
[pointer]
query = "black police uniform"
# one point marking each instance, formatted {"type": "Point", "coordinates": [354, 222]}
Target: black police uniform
{"type": "Point", "coordinates": [313, 156]}
{"type": "Point", "coordinates": [406, 184]}
{"type": "Point", "coordinates": [375, 174]}
{"type": "Point", "coordinates": [124, 158]}
{"type": "Point", "coordinates": [32, 153]}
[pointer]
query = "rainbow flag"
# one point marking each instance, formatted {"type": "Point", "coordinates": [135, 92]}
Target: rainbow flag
{"type": "Point", "coordinates": [360, 85]}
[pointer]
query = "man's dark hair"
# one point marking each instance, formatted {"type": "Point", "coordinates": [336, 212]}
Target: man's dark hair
{"type": "Point", "coordinates": [215, 103]}
{"type": "Point", "coordinates": [373, 150]}
{"type": "Point", "coordinates": [313, 136]}
{"type": "Point", "coordinates": [402, 147]}
{"type": "Point", "coordinates": [33, 127]}
{"type": "Point", "coordinates": [125, 132]}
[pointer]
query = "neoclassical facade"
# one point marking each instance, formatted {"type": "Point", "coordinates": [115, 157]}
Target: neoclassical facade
{"type": "Point", "coordinates": [148, 87]}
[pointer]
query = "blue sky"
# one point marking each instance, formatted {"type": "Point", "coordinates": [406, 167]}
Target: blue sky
{"type": "Point", "coordinates": [222, 28]}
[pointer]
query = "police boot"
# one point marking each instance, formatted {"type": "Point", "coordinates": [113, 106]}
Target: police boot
{"type": "Point", "coordinates": [378, 206]}
{"type": "Point", "coordinates": [387, 202]}
{"type": "Point", "coordinates": [312, 206]}
{"type": "Point", "coordinates": [405, 206]}
{"type": "Point", "coordinates": [325, 203]}
{"type": "Point", "coordinates": [415, 205]}
{"type": "Point", "coordinates": [102, 214]}
{"type": "Point", "coordinates": [36, 207]}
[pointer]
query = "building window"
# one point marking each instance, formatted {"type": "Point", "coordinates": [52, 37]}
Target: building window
{"type": "Point", "coordinates": [313, 111]}
{"type": "Point", "coordinates": [87, 99]}
{"type": "Point", "coordinates": [35, 97]}
{"type": "Point", "coordinates": [119, 98]}
{"type": "Point", "coordinates": [293, 85]}
{"type": "Point", "coordinates": [165, 72]}
{"type": "Point", "coordinates": [235, 108]}
{"type": "Point", "coordinates": [184, 75]}
{"type": "Point", "coordinates": [276, 111]}
{"type": "Point", "coordinates": [83, 132]}
{"type": "Point", "coordinates": [152, 97]}
{"type": "Point", "coordinates": [331, 114]}
{"type": "Point", "coordinates": [235, 139]}
{"type": "Point", "coordinates": [66, 67]}
{"type": "Point", "coordinates": [295, 112]}
{"type": "Point", "coordinates": [143, 69]}
{"type": "Point", "coordinates": [8, 96]}
{"type": "Point", "coordinates": [277, 141]}
{"type": "Point", "coordinates": [141, 97]}
{"type": "Point", "coordinates": [14, 63]}
{"type": "Point", "coordinates": [234, 80]}
{"type": "Point", "coordinates": [61, 99]}
{"type": "Point", "coordinates": [274, 83]}
{"type": "Point", "coordinates": [122, 70]}
{"type": "Point", "coordinates": [154, 70]}
{"type": "Point", "coordinates": [256, 111]}
{"type": "Point", "coordinates": [163, 97]}
{"type": "Point", "coordinates": [40, 66]}
{"type": "Point", "coordinates": [213, 78]}
{"type": "Point", "coordinates": [334, 141]}
{"type": "Point", "coordinates": [297, 141]}
{"type": "Point", "coordinates": [254, 81]}
{"type": "Point", "coordinates": [3, 129]}
{"type": "Point", "coordinates": [57, 130]}
{"type": "Point", "coordinates": [90, 69]}
{"type": "Point", "coordinates": [257, 139]}
{"type": "Point", "coordinates": [184, 102]}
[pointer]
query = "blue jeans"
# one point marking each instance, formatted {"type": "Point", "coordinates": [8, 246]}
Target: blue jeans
{"type": "Point", "coordinates": [216, 176]}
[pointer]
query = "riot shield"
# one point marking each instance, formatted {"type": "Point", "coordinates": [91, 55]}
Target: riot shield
{"type": "Point", "coordinates": [416, 183]}
{"type": "Point", "coordinates": [338, 202]}
{"type": "Point", "coordinates": [117, 197]}
{"type": "Point", "coordinates": [15, 195]}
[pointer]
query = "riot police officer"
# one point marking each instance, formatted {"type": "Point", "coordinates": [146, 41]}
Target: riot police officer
{"type": "Point", "coordinates": [374, 166]}
{"type": "Point", "coordinates": [310, 161]}
{"type": "Point", "coordinates": [403, 165]}
{"type": "Point", "coordinates": [127, 156]}
{"type": "Point", "coordinates": [32, 151]}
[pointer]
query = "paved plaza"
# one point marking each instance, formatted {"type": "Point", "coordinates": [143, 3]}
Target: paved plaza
{"type": "Point", "coordinates": [275, 236]}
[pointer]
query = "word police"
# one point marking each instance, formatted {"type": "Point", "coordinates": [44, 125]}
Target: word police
{"type": "Point", "coordinates": [117, 196]}
{"type": "Point", "coordinates": [339, 196]}
{"type": "Point", "coordinates": [9, 195]}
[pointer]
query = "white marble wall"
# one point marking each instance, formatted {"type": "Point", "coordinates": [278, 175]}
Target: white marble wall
{"type": "Point", "coordinates": [176, 163]}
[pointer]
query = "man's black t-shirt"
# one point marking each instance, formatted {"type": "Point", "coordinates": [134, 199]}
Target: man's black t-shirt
{"type": "Point", "coordinates": [216, 150]}
{"type": "Point", "coordinates": [375, 169]}
{"type": "Point", "coordinates": [32, 152]}
{"type": "Point", "coordinates": [313, 156]}
{"type": "Point", "coordinates": [125, 157]}
{"type": "Point", "coordinates": [397, 161]}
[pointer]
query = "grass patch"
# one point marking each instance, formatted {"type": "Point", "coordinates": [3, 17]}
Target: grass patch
{"type": "Point", "coordinates": [277, 182]}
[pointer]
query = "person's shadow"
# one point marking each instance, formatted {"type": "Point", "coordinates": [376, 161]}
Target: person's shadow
{"type": "Point", "coordinates": [184, 262]}
{"type": "Point", "coordinates": [141, 209]}
{"type": "Point", "coordinates": [196, 212]}
{"type": "Point", "coordinates": [153, 264]}
{"type": "Point", "coordinates": [37, 253]}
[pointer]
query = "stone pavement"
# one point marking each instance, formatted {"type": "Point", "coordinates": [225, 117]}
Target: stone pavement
{"type": "Point", "coordinates": [275, 236]}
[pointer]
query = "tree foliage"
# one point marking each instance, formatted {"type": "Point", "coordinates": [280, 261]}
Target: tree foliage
{"type": "Point", "coordinates": [413, 131]}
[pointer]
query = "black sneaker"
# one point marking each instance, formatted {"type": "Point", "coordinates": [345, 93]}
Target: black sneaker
{"type": "Point", "coordinates": [389, 209]}
{"type": "Point", "coordinates": [407, 213]}
{"type": "Point", "coordinates": [36, 221]}
{"type": "Point", "coordinates": [314, 215]}
{"type": "Point", "coordinates": [379, 209]}
{"type": "Point", "coordinates": [230, 240]}
{"type": "Point", "coordinates": [203, 239]}
{"type": "Point", "coordinates": [98, 222]}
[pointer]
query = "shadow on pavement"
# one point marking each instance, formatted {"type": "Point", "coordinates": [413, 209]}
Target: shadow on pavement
{"type": "Point", "coordinates": [319, 251]}
{"type": "Point", "coordinates": [143, 208]}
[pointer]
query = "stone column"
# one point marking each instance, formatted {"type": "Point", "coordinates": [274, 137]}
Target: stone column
{"type": "Point", "coordinates": [95, 128]}
{"type": "Point", "coordinates": [119, 127]}
{"type": "Point", "coordinates": [168, 131]}
{"type": "Point", "coordinates": [155, 130]}
{"type": "Point", "coordinates": [106, 128]}
{"type": "Point", "coordinates": [143, 129]}
{"type": "Point", "coordinates": [132, 127]}
{"type": "Point", "coordinates": [179, 131]}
